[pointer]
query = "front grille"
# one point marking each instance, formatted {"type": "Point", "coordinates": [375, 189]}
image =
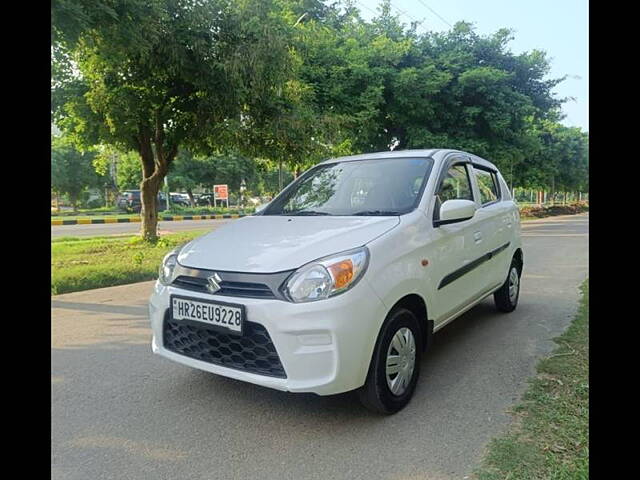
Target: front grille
{"type": "Point", "coordinates": [233, 289]}
{"type": "Point", "coordinates": [251, 352]}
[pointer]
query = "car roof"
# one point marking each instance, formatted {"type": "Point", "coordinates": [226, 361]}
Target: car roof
{"type": "Point", "coordinates": [383, 155]}
{"type": "Point", "coordinates": [435, 153]}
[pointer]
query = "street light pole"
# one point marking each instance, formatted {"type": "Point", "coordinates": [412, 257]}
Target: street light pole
{"type": "Point", "coordinates": [243, 187]}
{"type": "Point", "coordinates": [166, 192]}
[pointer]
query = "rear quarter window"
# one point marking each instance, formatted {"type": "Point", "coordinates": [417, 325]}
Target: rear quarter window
{"type": "Point", "coordinates": [488, 186]}
{"type": "Point", "coordinates": [506, 193]}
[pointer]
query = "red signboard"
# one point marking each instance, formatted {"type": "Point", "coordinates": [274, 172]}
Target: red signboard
{"type": "Point", "coordinates": [221, 192]}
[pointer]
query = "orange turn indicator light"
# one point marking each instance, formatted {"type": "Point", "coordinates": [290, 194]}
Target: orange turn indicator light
{"type": "Point", "coordinates": [342, 273]}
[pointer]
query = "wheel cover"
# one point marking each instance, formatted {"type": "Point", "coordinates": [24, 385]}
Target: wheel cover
{"type": "Point", "coordinates": [514, 285]}
{"type": "Point", "coordinates": [400, 361]}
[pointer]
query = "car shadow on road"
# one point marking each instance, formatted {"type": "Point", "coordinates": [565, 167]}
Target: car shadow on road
{"type": "Point", "coordinates": [100, 308]}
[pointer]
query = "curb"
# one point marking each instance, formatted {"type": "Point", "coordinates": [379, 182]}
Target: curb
{"type": "Point", "coordinates": [173, 218]}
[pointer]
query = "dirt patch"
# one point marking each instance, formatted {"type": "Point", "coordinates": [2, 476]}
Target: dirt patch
{"type": "Point", "coordinates": [551, 210]}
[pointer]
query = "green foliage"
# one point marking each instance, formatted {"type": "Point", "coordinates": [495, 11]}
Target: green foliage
{"type": "Point", "coordinates": [178, 210]}
{"type": "Point", "coordinates": [71, 169]}
{"type": "Point", "coordinates": [561, 161]}
{"type": "Point", "coordinates": [384, 85]}
{"type": "Point", "coordinates": [129, 175]}
{"type": "Point", "coordinates": [268, 178]}
{"type": "Point", "coordinates": [110, 161]}
{"type": "Point", "coordinates": [191, 171]}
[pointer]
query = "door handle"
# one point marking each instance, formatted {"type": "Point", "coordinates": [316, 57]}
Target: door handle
{"type": "Point", "coordinates": [477, 236]}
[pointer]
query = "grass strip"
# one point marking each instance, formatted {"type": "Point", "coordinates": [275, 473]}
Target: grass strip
{"type": "Point", "coordinates": [95, 262]}
{"type": "Point", "coordinates": [550, 440]}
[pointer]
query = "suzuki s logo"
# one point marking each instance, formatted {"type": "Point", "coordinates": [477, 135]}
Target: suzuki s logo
{"type": "Point", "coordinates": [213, 283]}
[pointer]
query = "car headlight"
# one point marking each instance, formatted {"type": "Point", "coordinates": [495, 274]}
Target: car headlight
{"type": "Point", "coordinates": [327, 276]}
{"type": "Point", "coordinates": [167, 267]}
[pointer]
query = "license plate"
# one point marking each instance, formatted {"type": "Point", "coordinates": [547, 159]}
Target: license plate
{"type": "Point", "coordinates": [222, 315]}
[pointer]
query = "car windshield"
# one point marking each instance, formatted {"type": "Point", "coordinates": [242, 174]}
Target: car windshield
{"type": "Point", "coordinates": [363, 187]}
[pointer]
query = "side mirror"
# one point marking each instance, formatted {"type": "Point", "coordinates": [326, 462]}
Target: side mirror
{"type": "Point", "coordinates": [454, 211]}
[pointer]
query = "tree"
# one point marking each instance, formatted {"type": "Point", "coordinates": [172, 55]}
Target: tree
{"type": "Point", "coordinates": [560, 162]}
{"type": "Point", "coordinates": [121, 168]}
{"type": "Point", "coordinates": [269, 178]}
{"type": "Point", "coordinates": [71, 170]}
{"type": "Point", "coordinates": [292, 131]}
{"type": "Point", "coordinates": [573, 168]}
{"type": "Point", "coordinates": [191, 171]}
{"type": "Point", "coordinates": [391, 87]}
{"type": "Point", "coordinates": [154, 75]}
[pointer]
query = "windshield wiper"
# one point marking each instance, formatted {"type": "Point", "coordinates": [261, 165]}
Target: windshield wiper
{"type": "Point", "coordinates": [376, 213]}
{"type": "Point", "coordinates": [307, 212]}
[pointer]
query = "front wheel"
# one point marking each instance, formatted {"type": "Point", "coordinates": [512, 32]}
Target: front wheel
{"type": "Point", "coordinates": [506, 297]}
{"type": "Point", "coordinates": [395, 366]}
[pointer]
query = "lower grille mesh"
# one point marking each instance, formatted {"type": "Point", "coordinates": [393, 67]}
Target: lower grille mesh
{"type": "Point", "coordinates": [252, 352]}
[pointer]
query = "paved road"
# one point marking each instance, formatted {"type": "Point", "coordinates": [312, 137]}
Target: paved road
{"type": "Point", "coordinates": [91, 230]}
{"type": "Point", "coordinates": [119, 412]}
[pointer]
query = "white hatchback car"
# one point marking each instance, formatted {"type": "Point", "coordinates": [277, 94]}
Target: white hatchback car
{"type": "Point", "coordinates": [340, 282]}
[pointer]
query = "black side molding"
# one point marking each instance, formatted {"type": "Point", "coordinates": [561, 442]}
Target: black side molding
{"type": "Point", "coordinates": [456, 274]}
{"type": "Point", "coordinates": [437, 223]}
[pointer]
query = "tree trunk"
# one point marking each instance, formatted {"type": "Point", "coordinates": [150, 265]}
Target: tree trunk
{"type": "Point", "coordinates": [191, 199]}
{"type": "Point", "coordinates": [149, 189]}
{"type": "Point", "coordinates": [155, 165]}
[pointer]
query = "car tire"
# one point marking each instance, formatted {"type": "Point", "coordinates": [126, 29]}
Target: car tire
{"type": "Point", "coordinates": [506, 297]}
{"type": "Point", "coordinates": [376, 394]}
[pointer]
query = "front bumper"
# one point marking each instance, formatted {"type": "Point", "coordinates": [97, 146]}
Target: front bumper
{"type": "Point", "coordinates": [325, 347]}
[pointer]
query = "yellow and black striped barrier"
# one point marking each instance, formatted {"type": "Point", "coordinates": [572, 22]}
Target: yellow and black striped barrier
{"type": "Point", "coordinates": [162, 218]}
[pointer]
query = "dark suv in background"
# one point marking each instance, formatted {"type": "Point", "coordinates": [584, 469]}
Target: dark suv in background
{"type": "Point", "coordinates": [130, 201]}
{"type": "Point", "coordinates": [205, 200]}
{"type": "Point", "coordinates": [180, 200]}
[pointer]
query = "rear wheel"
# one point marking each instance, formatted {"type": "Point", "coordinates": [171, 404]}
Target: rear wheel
{"type": "Point", "coordinates": [506, 297]}
{"type": "Point", "coordinates": [395, 365]}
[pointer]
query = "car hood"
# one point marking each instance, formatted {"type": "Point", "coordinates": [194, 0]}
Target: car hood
{"type": "Point", "coordinates": [266, 244]}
